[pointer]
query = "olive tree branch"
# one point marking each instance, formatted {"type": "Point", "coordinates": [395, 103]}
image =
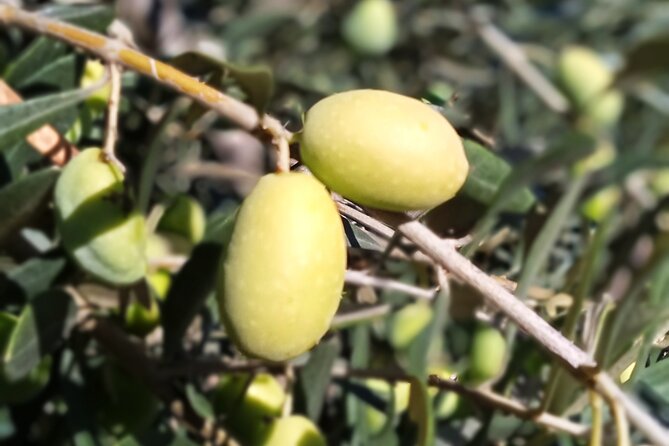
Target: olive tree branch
{"type": "Point", "coordinates": [113, 51]}
{"type": "Point", "coordinates": [342, 371]}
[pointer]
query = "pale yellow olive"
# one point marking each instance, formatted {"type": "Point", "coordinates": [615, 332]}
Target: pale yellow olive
{"type": "Point", "coordinates": [588, 81]}
{"type": "Point", "coordinates": [105, 239]}
{"type": "Point", "coordinates": [282, 277]}
{"type": "Point", "coordinates": [487, 355]}
{"type": "Point", "coordinates": [371, 27]}
{"type": "Point", "coordinates": [294, 430]}
{"type": "Point", "coordinates": [383, 150]}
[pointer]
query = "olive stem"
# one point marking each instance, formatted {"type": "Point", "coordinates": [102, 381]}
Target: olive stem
{"type": "Point", "coordinates": [361, 278]}
{"type": "Point", "coordinates": [111, 126]}
{"type": "Point", "coordinates": [289, 373]}
{"type": "Point", "coordinates": [491, 399]}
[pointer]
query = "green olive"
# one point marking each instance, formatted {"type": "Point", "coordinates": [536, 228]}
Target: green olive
{"type": "Point", "coordinates": [282, 278]}
{"type": "Point", "coordinates": [407, 323]}
{"type": "Point", "coordinates": [587, 80]}
{"type": "Point", "coordinates": [103, 238]}
{"type": "Point", "coordinates": [94, 72]}
{"type": "Point", "coordinates": [141, 320]}
{"type": "Point", "coordinates": [375, 418]}
{"type": "Point", "coordinates": [383, 150]}
{"type": "Point", "coordinates": [185, 217]}
{"type": "Point", "coordinates": [293, 431]}
{"type": "Point", "coordinates": [248, 402]}
{"type": "Point", "coordinates": [487, 355]}
{"type": "Point", "coordinates": [371, 27]}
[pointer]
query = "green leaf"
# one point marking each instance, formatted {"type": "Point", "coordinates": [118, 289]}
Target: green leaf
{"type": "Point", "coordinates": [420, 411]}
{"type": "Point", "coordinates": [543, 244]}
{"type": "Point", "coordinates": [35, 59]}
{"type": "Point", "coordinates": [96, 17]}
{"type": "Point", "coordinates": [199, 402]}
{"type": "Point", "coordinates": [41, 327]}
{"type": "Point", "coordinates": [570, 148]}
{"type": "Point", "coordinates": [36, 275]}
{"type": "Point", "coordinates": [358, 237]}
{"type": "Point", "coordinates": [188, 293]}
{"type": "Point", "coordinates": [487, 172]}
{"type": "Point", "coordinates": [646, 58]}
{"type": "Point", "coordinates": [257, 82]}
{"type": "Point", "coordinates": [6, 424]}
{"type": "Point", "coordinates": [314, 377]}
{"type": "Point", "coordinates": [654, 379]}
{"type": "Point", "coordinates": [255, 25]}
{"type": "Point", "coordinates": [19, 120]}
{"type": "Point", "coordinates": [21, 200]}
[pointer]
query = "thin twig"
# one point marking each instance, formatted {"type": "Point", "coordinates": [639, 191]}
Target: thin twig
{"type": "Point", "coordinates": [494, 400]}
{"type": "Point", "coordinates": [215, 170]}
{"type": "Point", "coordinates": [635, 413]}
{"type": "Point", "coordinates": [342, 371]}
{"type": "Point", "coordinates": [514, 57]}
{"type": "Point", "coordinates": [364, 219]}
{"type": "Point", "coordinates": [111, 127]}
{"type": "Point", "coordinates": [364, 314]}
{"type": "Point", "coordinates": [361, 278]}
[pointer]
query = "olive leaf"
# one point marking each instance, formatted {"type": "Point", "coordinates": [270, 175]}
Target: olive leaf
{"type": "Point", "coordinates": [22, 199]}
{"type": "Point", "coordinates": [19, 120]}
{"type": "Point", "coordinates": [487, 172]}
{"type": "Point", "coordinates": [257, 82]}
{"type": "Point", "coordinates": [41, 327]}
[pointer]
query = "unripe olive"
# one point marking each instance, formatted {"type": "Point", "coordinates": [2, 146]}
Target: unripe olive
{"type": "Point", "coordinates": [283, 274]}
{"type": "Point", "coordinates": [487, 355]}
{"type": "Point", "coordinates": [376, 419]}
{"type": "Point", "coordinates": [104, 239]}
{"type": "Point", "coordinates": [247, 406]}
{"type": "Point", "coordinates": [587, 80]}
{"type": "Point", "coordinates": [94, 71]}
{"type": "Point", "coordinates": [185, 217]}
{"type": "Point", "coordinates": [371, 27]}
{"type": "Point", "coordinates": [408, 323]}
{"type": "Point", "coordinates": [599, 205]}
{"type": "Point", "coordinates": [383, 150]}
{"type": "Point", "coordinates": [141, 320]}
{"type": "Point", "coordinates": [293, 431]}
{"type": "Point", "coordinates": [445, 402]}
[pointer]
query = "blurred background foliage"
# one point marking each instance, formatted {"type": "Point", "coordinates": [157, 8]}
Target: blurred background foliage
{"type": "Point", "coordinates": [566, 203]}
